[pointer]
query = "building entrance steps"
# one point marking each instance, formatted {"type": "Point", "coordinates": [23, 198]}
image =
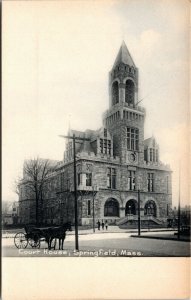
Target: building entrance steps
{"type": "Point", "coordinates": [145, 221]}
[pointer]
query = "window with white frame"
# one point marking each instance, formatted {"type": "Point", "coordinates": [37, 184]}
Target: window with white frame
{"type": "Point", "coordinates": [88, 179]}
{"type": "Point", "coordinates": [131, 180]}
{"type": "Point", "coordinates": [150, 182]}
{"type": "Point", "coordinates": [132, 138]}
{"type": "Point", "coordinates": [105, 146]}
{"type": "Point", "coordinates": [111, 178]}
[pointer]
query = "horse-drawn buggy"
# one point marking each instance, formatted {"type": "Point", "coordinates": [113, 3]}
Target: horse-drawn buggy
{"type": "Point", "coordinates": [33, 236]}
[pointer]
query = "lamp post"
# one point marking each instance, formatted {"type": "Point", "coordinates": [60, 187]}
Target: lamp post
{"type": "Point", "coordinates": [148, 209]}
{"type": "Point", "coordinates": [93, 212]}
{"type": "Point", "coordinates": [95, 190]}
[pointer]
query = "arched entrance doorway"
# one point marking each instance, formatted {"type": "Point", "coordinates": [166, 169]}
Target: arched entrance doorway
{"type": "Point", "coordinates": [150, 208]}
{"type": "Point", "coordinates": [130, 208]}
{"type": "Point", "coordinates": [111, 208]}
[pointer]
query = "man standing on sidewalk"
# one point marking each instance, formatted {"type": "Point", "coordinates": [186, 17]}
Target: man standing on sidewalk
{"type": "Point", "coordinates": [98, 225]}
{"type": "Point", "coordinates": [106, 225]}
{"type": "Point", "coordinates": [102, 225]}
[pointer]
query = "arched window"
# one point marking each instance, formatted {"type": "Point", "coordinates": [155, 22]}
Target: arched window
{"type": "Point", "coordinates": [130, 208]}
{"type": "Point", "coordinates": [150, 208]}
{"type": "Point", "coordinates": [111, 208]}
{"type": "Point", "coordinates": [115, 93]}
{"type": "Point", "coordinates": [129, 92]}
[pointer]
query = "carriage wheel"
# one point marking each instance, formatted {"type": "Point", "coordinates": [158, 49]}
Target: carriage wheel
{"type": "Point", "coordinates": [34, 242]}
{"type": "Point", "coordinates": [20, 240]}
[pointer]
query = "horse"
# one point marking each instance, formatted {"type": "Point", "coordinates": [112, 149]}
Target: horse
{"type": "Point", "coordinates": [58, 233]}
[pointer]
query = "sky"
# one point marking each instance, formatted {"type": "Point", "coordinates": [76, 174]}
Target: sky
{"type": "Point", "coordinates": [56, 56]}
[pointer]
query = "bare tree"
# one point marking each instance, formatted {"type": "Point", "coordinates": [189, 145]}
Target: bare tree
{"type": "Point", "coordinates": [35, 174]}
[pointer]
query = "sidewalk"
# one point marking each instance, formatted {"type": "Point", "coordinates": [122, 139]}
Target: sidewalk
{"type": "Point", "coordinates": [10, 233]}
{"type": "Point", "coordinates": [116, 229]}
{"type": "Point", "coordinates": [160, 236]}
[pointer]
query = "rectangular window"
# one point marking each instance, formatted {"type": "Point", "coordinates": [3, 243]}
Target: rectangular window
{"type": "Point", "coordinates": [156, 155]}
{"type": "Point", "coordinates": [151, 154]}
{"type": "Point", "coordinates": [101, 145]}
{"type": "Point", "coordinates": [111, 178]}
{"type": "Point", "coordinates": [167, 184]}
{"type": "Point", "coordinates": [150, 182]}
{"type": "Point", "coordinates": [88, 179]}
{"type": "Point", "coordinates": [79, 178]}
{"type": "Point", "coordinates": [132, 138]}
{"type": "Point", "coordinates": [131, 181]}
{"type": "Point", "coordinates": [109, 147]}
{"type": "Point", "coordinates": [105, 146]}
{"type": "Point", "coordinates": [89, 208]}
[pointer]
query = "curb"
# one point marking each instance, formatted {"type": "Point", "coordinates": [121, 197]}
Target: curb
{"type": "Point", "coordinates": [160, 238]}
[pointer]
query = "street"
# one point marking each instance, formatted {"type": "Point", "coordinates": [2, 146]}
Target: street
{"type": "Point", "coordinates": [104, 244]}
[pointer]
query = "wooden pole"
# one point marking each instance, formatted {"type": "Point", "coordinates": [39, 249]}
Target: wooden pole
{"type": "Point", "coordinates": [178, 235]}
{"type": "Point", "coordinates": [93, 212]}
{"type": "Point", "coordinates": [75, 197]}
{"type": "Point", "coordinates": [139, 214]}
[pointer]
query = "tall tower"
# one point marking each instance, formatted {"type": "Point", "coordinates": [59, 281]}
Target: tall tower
{"type": "Point", "coordinates": [125, 118]}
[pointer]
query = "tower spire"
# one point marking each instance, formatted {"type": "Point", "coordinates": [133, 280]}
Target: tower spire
{"type": "Point", "coordinates": [124, 56]}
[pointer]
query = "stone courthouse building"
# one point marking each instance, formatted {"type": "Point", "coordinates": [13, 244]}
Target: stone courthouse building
{"type": "Point", "coordinates": [112, 164]}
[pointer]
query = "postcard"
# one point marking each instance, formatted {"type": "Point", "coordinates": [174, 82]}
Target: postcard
{"type": "Point", "coordinates": [95, 150]}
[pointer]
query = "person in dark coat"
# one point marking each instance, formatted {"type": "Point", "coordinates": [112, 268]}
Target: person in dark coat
{"type": "Point", "coordinates": [102, 225]}
{"type": "Point", "coordinates": [98, 225]}
{"type": "Point", "coordinates": [106, 225]}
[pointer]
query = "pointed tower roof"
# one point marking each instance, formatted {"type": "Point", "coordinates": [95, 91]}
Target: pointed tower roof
{"type": "Point", "coordinates": [124, 56]}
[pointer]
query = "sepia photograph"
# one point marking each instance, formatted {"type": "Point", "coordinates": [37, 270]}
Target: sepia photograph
{"type": "Point", "coordinates": [95, 134]}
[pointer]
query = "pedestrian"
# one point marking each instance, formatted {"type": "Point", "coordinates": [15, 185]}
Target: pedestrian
{"type": "Point", "coordinates": [102, 225]}
{"type": "Point", "coordinates": [98, 225]}
{"type": "Point", "coordinates": [106, 225]}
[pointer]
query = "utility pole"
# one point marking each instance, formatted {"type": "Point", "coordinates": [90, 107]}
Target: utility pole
{"type": "Point", "coordinates": [178, 235]}
{"type": "Point", "coordinates": [93, 213]}
{"type": "Point", "coordinates": [75, 196]}
{"type": "Point", "coordinates": [94, 188]}
{"type": "Point", "coordinates": [139, 214]}
{"type": "Point", "coordinates": [74, 138]}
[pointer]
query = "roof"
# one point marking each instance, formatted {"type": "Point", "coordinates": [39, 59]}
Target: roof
{"type": "Point", "coordinates": [77, 133]}
{"type": "Point", "coordinates": [83, 145]}
{"type": "Point", "coordinates": [149, 142]}
{"type": "Point", "coordinates": [86, 147]}
{"type": "Point", "coordinates": [124, 56]}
